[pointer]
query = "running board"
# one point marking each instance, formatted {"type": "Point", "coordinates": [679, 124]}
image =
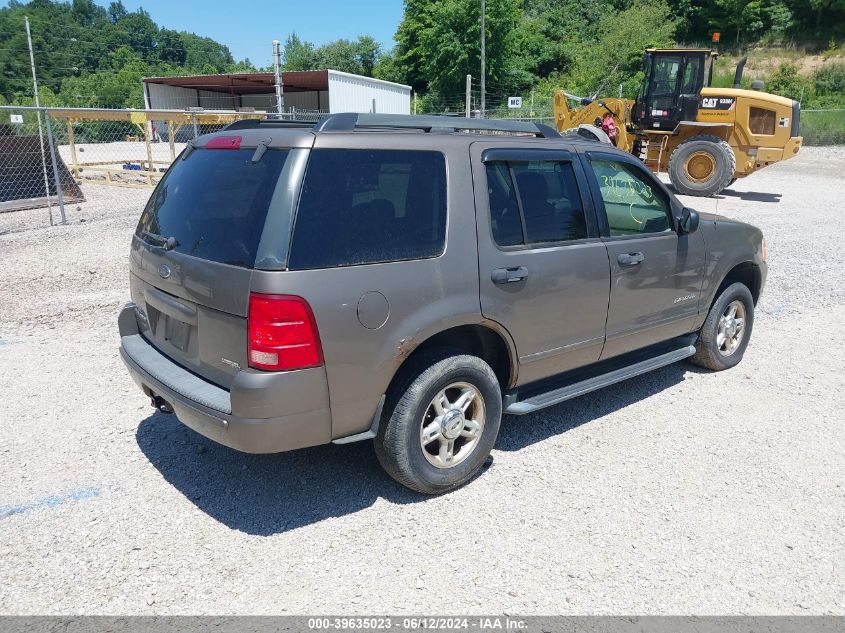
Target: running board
{"type": "Point", "coordinates": [555, 396]}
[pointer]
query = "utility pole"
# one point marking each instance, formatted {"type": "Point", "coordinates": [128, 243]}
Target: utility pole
{"type": "Point", "coordinates": [38, 114]}
{"type": "Point", "coordinates": [280, 89]}
{"type": "Point", "coordinates": [483, 60]}
{"type": "Point", "coordinates": [468, 95]}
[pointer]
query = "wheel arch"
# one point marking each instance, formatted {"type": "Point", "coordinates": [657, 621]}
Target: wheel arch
{"type": "Point", "coordinates": [747, 273]}
{"type": "Point", "coordinates": [487, 340]}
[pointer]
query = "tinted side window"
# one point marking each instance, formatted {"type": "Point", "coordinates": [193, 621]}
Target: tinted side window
{"type": "Point", "coordinates": [633, 205]}
{"type": "Point", "coordinates": [504, 209]}
{"type": "Point", "coordinates": [543, 206]}
{"type": "Point", "coordinates": [369, 206]}
{"type": "Point", "coordinates": [551, 203]}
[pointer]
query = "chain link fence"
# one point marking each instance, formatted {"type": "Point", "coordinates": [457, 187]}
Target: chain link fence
{"type": "Point", "coordinates": [823, 127]}
{"type": "Point", "coordinates": [61, 165]}
{"type": "Point", "coordinates": [29, 177]}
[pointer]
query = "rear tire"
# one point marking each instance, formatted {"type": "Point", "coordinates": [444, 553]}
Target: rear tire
{"type": "Point", "coordinates": [445, 413]}
{"type": "Point", "coordinates": [722, 339]}
{"type": "Point", "coordinates": [702, 166]}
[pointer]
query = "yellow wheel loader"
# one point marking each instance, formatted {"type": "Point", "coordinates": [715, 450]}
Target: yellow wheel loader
{"type": "Point", "coordinates": [704, 137]}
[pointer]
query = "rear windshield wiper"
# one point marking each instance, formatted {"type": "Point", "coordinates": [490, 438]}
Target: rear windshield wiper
{"type": "Point", "coordinates": [167, 243]}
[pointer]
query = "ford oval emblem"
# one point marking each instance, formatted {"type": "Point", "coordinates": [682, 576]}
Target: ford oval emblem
{"type": "Point", "coordinates": [164, 271]}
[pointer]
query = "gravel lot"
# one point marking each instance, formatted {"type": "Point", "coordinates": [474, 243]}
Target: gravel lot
{"type": "Point", "coordinates": [677, 492]}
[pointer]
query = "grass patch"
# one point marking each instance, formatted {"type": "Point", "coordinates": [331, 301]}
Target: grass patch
{"type": "Point", "coordinates": [823, 128]}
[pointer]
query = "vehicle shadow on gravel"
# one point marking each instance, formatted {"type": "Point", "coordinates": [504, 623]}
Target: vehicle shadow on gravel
{"type": "Point", "coordinates": [269, 494]}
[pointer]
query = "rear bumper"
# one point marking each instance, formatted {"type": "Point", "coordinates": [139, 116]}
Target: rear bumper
{"type": "Point", "coordinates": [768, 155]}
{"type": "Point", "coordinates": [263, 412]}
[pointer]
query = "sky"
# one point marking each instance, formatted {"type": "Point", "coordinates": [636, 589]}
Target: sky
{"type": "Point", "coordinates": [248, 27]}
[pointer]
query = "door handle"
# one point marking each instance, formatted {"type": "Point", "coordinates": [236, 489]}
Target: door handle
{"type": "Point", "coordinates": [509, 275]}
{"type": "Point", "coordinates": [630, 259]}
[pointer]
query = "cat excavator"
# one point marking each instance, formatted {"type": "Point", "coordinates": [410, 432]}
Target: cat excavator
{"type": "Point", "coordinates": [703, 137]}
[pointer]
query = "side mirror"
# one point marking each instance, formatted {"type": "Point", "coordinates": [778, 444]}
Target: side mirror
{"type": "Point", "coordinates": [688, 221]}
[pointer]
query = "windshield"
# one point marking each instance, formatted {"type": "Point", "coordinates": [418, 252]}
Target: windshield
{"type": "Point", "coordinates": [213, 204]}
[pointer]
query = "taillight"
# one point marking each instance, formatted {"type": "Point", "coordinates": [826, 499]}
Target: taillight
{"type": "Point", "coordinates": [282, 333]}
{"type": "Point", "coordinates": [224, 142]}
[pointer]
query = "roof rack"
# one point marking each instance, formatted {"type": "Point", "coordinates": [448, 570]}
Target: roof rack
{"type": "Point", "coordinates": [430, 123]}
{"type": "Point", "coordinates": [350, 121]}
{"type": "Point", "coordinates": [251, 124]}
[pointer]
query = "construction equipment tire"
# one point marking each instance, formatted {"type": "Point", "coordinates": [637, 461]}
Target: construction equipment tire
{"type": "Point", "coordinates": [702, 166]}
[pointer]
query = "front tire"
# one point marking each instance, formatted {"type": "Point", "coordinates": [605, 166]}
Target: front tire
{"type": "Point", "coordinates": [724, 336]}
{"type": "Point", "coordinates": [445, 417]}
{"type": "Point", "coordinates": [702, 166]}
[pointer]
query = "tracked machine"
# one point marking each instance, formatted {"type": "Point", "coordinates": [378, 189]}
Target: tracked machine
{"type": "Point", "coordinates": [703, 137]}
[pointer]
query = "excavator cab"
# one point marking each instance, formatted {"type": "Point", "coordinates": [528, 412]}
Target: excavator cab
{"type": "Point", "coordinates": [671, 89]}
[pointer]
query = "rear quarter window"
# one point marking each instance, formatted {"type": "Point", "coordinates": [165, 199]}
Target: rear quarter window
{"type": "Point", "coordinates": [369, 206]}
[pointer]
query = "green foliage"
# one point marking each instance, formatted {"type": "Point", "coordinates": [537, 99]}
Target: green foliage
{"type": "Point", "coordinates": [580, 45]}
{"type": "Point", "coordinates": [829, 86]}
{"type": "Point", "coordinates": [359, 57]}
{"type": "Point", "coordinates": [90, 55]}
{"type": "Point", "coordinates": [438, 43]}
{"type": "Point", "coordinates": [747, 21]}
{"type": "Point", "coordinates": [298, 55]}
{"type": "Point", "coordinates": [786, 81]}
{"type": "Point", "coordinates": [616, 56]}
{"type": "Point", "coordinates": [822, 128]}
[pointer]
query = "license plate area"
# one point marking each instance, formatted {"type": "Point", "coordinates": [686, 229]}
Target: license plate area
{"type": "Point", "coordinates": [177, 333]}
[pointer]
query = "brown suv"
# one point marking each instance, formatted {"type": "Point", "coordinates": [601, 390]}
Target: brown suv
{"type": "Point", "coordinates": [409, 279]}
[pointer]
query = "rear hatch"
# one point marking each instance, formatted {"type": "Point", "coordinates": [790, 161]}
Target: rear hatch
{"type": "Point", "coordinates": [199, 239]}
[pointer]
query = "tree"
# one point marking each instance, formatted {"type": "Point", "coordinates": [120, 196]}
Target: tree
{"type": "Point", "coordinates": [339, 55]}
{"type": "Point", "coordinates": [298, 55]}
{"type": "Point", "coordinates": [170, 47]}
{"type": "Point", "coordinates": [367, 51]}
{"type": "Point", "coordinates": [788, 83]}
{"type": "Point", "coordinates": [116, 11]}
{"type": "Point", "coordinates": [439, 42]}
{"type": "Point", "coordinates": [615, 57]}
{"type": "Point", "coordinates": [88, 55]}
{"type": "Point", "coordinates": [387, 68]}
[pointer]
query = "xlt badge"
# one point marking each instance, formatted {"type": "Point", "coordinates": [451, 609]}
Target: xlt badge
{"type": "Point", "coordinates": [231, 364]}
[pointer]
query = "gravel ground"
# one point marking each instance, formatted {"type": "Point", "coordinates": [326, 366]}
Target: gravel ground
{"type": "Point", "coordinates": [677, 492]}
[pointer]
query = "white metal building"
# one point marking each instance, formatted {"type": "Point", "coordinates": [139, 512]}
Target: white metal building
{"type": "Point", "coordinates": [310, 90]}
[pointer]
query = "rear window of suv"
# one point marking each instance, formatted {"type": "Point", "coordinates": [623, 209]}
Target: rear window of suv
{"type": "Point", "coordinates": [369, 206]}
{"type": "Point", "coordinates": [214, 204]}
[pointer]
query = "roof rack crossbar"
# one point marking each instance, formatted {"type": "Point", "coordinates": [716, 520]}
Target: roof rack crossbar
{"type": "Point", "coordinates": [253, 124]}
{"type": "Point", "coordinates": [350, 121]}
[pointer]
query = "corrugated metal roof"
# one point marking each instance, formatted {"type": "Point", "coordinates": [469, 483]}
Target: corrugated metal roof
{"type": "Point", "coordinates": [248, 83]}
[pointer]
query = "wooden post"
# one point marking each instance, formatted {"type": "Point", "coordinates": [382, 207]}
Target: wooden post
{"type": "Point", "coordinates": [144, 129]}
{"type": "Point", "coordinates": [72, 140]}
{"type": "Point", "coordinates": [171, 132]}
